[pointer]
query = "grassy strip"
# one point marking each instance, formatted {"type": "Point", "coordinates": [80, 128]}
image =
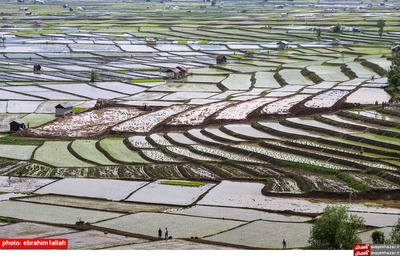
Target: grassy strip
{"type": "Point", "coordinates": [38, 31]}
{"type": "Point", "coordinates": [182, 183]}
{"type": "Point", "coordinates": [353, 183]}
{"type": "Point", "coordinates": [10, 140]}
{"type": "Point", "coordinates": [78, 109]}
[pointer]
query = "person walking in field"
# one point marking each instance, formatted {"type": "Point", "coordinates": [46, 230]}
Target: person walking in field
{"type": "Point", "coordinates": [159, 233]}
{"type": "Point", "coordinates": [284, 244]}
{"type": "Point", "coordinates": [166, 233]}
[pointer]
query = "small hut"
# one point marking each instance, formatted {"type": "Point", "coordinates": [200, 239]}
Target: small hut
{"type": "Point", "coordinates": [37, 68]}
{"type": "Point", "coordinates": [396, 49]}
{"type": "Point", "coordinates": [173, 73]}
{"type": "Point", "coordinates": [151, 41]}
{"type": "Point", "coordinates": [282, 45]}
{"type": "Point", "coordinates": [183, 70]}
{"type": "Point", "coordinates": [17, 125]}
{"type": "Point", "coordinates": [221, 59]}
{"type": "Point", "coordinates": [63, 108]}
{"type": "Point", "coordinates": [178, 72]}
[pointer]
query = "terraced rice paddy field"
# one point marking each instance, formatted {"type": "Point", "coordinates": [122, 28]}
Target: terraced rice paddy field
{"type": "Point", "coordinates": [222, 156]}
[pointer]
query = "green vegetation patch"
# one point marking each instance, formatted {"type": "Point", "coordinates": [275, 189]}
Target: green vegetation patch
{"type": "Point", "coordinates": [56, 153]}
{"type": "Point", "coordinates": [182, 183]}
{"type": "Point", "coordinates": [19, 141]}
{"type": "Point", "coordinates": [34, 120]}
{"type": "Point", "coordinates": [78, 109]}
{"type": "Point", "coordinates": [117, 150]}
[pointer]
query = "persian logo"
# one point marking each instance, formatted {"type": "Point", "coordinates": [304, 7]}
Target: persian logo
{"type": "Point", "coordinates": [362, 249]}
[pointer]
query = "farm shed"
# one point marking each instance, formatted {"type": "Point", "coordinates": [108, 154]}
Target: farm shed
{"type": "Point", "coordinates": [151, 41]}
{"type": "Point", "coordinates": [396, 49]}
{"type": "Point", "coordinates": [282, 45]}
{"type": "Point", "coordinates": [173, 73]}
{"type": "Point", "coordinates": [178, 72]}
{"type": "Point", "coordinates": [37, 68]}
{"type": "Point", "coordinates": [63, 109]}
{"type": "Point", "coordinates": [183, 70]}
{"type": "Point", "coordinates": [221, 59]}
{"type": "Point", "coordinates": [17, 125]}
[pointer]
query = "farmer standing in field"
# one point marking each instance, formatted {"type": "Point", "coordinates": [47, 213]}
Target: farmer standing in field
{"type": "Point", "coordinates": [166, 233]}
{"type": "Point", "coordinates": [159, 233]}
{"type": "Point", "coordinates": [284, 244]}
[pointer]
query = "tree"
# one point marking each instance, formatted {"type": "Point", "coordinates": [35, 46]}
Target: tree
{"type": "Point", "coordinates": [213, 2]}
{"type": "Point", "coordinates": [380, 24]}
{"type": "Point", "coordinates": [319, 33]}
{"type": "Point", "coordinates": [93, 75]}
{"type": "Point", "coordinates": [335, 229]}
{"type": "Point", "coordinates": [378, 237]}
{"type": "Point", "coordinates": [395, 233]}
{"type": "Point", "coordinates": [337, 28]}
{"type": "Point", "coordinates": [394, 71]}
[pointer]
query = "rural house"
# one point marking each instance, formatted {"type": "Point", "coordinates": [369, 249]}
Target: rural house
{"type": "Point", "coordinates": [282, 45]}
{"type": "Point", "coordinates": [17, 125]}
{"type": "Point", "coordinates": [221, 59]}
{"type": "Point", "coordinates": [178, 72]}
{"type": "Point", "coordinates": [173, 73]}
{"type": "Point", "coordinates": [183, 70]}
{"type": "Point", "coordinates": [63, 109]}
